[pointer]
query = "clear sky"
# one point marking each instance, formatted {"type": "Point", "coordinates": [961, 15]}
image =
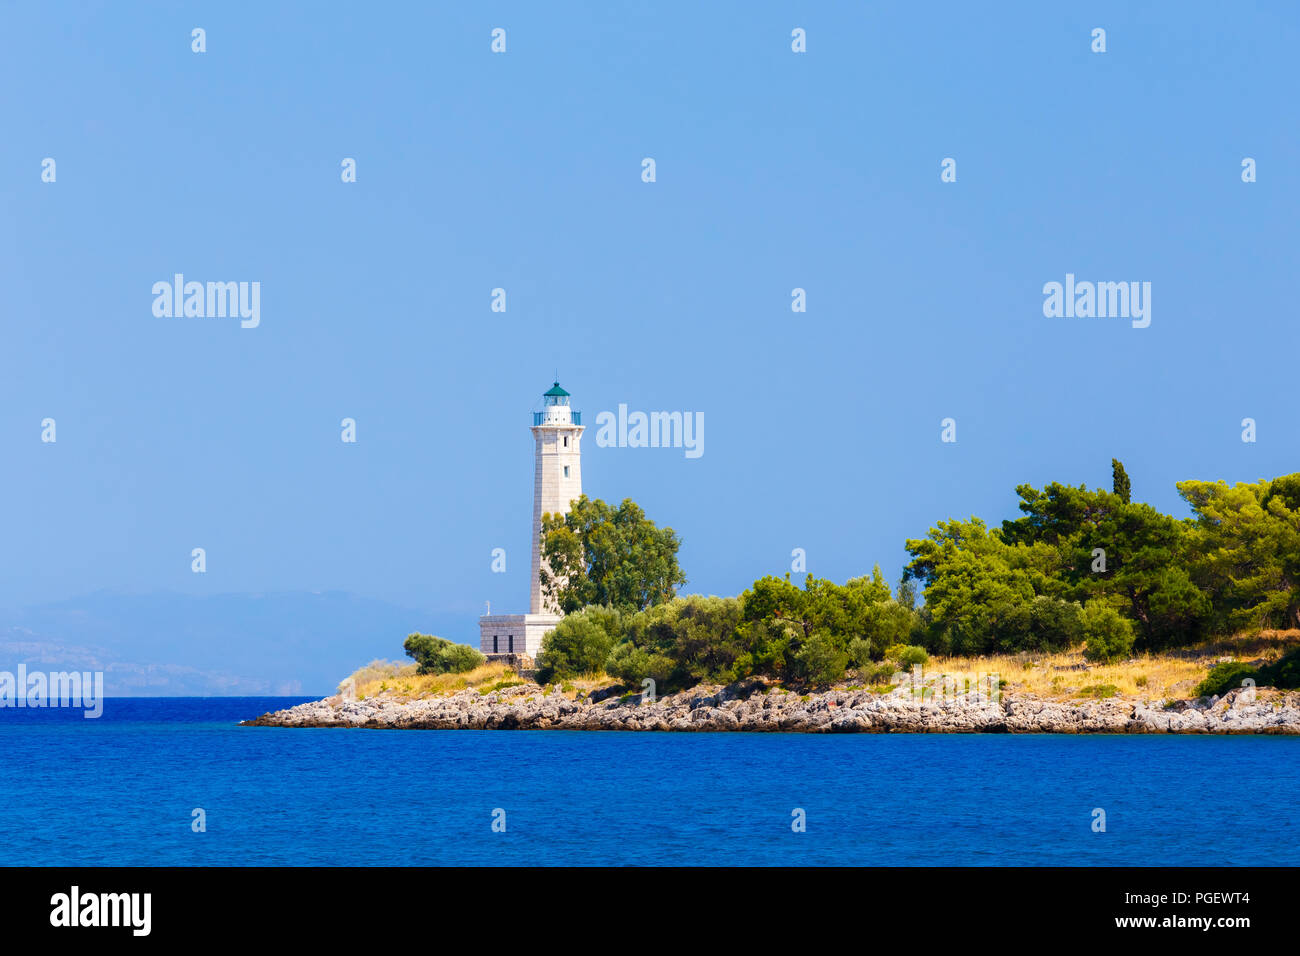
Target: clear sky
{"type": "Point", "coordinates": [522, 170]}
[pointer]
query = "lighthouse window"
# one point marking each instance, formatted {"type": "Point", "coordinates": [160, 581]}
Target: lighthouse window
{"type": "Point", "coordinates": [566, 471]}
{"type": "Point", "coordinates": [566, 441]}
{"type": "Point", "coordinates": [496, 647]}
{"type": "Point", "coordinates": [511, 639]}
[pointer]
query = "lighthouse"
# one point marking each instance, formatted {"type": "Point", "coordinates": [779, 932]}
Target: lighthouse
{"type": "Point", "coordinates": [557, 475]}
{"type": "Point", "coordinates": [557, 483]}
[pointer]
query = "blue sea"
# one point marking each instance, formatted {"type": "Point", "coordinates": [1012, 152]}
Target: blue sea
{"type": "Point", "coordinates": [122, 790]}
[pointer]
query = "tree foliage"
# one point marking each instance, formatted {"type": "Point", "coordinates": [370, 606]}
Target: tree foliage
{"type": "Point", "coordinates": [580, 643]}
{"type": "Point", "coordinates": [1119, 483]}
{"type": "Point", "coordinates": [1108, 635]}
{"type": "Point", "coordinates": [1244, 550]}
{"type": "Point", "coordinates": [775, 628]}
{"type": "Point", "coordinates": [1079, 566]}
{"type": "Point", "coordinates": [1073, 544]}
{"type": "Point", "coordinates": [437, 655]}
{"type": "Point", "coordinates": [1283, 673]}
{"type": "Point", "coordinates": [616, 557]}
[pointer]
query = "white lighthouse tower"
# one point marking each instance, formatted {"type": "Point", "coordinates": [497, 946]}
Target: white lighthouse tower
{"type": "Point", "coordinates": [557, 483]}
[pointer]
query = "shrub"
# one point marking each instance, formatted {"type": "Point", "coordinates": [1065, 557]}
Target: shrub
{"type": "Point", "coordinates": [889, 623]}
{"type": "Point", "coordinates": [1100, 691]}
{"type": "Point", "coordinates": [882, 673]}
{"type": "Point", "coordinates": [632, 665]}
{"type": "Point", "coordinates": [688, 639]}
{"type": "Point", "coordinates": [436, 655]}
{"type": "Point", "coordinates": [819, 661]}
{"type": "Point", "coordinates": [1041, 624]}
{"type": "Point", "coordinates": [579, 644]}
{"type": "Point", "coordinates": [859, 653]}
{"type": "Point", "coordinates": [701, 634]}
{"type": "Point", "coordinates": [1109, 635]}
{"type": "Point", "coordinates": [1283, 673]}
{"type": "Point", "coordinates": [460, 659]}
{"type": "Point", "coordinates": [1225, 677]}
{"type": "Point", "coordinates": [908, 656]}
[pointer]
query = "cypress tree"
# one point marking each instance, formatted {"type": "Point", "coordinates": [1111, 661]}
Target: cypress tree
{"type": "Point", "coordinates": [1119, 480]}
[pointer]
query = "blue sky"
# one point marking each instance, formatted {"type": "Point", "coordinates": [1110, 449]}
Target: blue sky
{"type": "Point", "coordinates": [475, 171]}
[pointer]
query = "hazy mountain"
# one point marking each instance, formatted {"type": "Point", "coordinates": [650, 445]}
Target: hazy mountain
{"type": "Point", "coordinates": [229, 644]}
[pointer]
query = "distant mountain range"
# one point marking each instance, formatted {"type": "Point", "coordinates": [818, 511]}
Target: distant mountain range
{"type": "Point", "coordinates": [172, 645]}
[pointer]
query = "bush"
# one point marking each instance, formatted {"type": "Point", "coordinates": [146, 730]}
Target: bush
{"type": "Point", "coordinates": [1042, 624]}
{"type": "Point", "coordinates": [1283, 673]}
{"type": "Point", "coordinates": [1225, 677]}
{"type": "Point", "coordinates": [889, 623]}
{"type": "Point", "coordinates": [1109, 635]}
{"type": "Point", "coordinates": [579, 644]}
{"type": "Point", "coordinates": [819, 661]}
{"type": "Point", "coordinates": [700, 637]}
{"type": "Point", "coordinates": [859, 653]}
{"type": "Point", "coordinates": [701, 634]}
{"type": "Point", "coordinates": [908, 656]}
{"type": "Point", "coordinates": [436, 655]}
{"type": "Point", "coordinates": [632, 665]}
{"type": "Point", "coordinates": [878, 673]}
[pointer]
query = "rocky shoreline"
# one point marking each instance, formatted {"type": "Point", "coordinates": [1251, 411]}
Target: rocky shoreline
{"type": "Point", "coordinates": [755, 707]}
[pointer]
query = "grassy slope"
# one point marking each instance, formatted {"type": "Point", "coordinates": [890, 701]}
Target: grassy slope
{"type": "Point", "coordinates": [1169, 675]}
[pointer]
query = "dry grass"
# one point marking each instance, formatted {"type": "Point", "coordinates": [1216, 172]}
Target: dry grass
{"type": "Point", "coordinates": [572, 686]}
{"type": "Point", "coordinates": [379, 670]}
{"type": "Point", "coordinates": [1064, 676]}
{"type": "Point", "coordinates": [402, 681]}
{"type": "Point", "coordinates": [399, 679]}
{"type": "Point", "coordinates": [1167, 675]}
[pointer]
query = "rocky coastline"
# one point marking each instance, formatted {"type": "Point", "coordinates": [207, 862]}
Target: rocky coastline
{"type": "Point", "coordinates": [755, 707]}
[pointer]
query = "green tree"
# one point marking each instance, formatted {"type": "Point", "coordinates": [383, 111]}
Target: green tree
{"type": "Point", "coordinates": [779, 618]}
{"type": "Point", "coordinates": [632, 665]}
{"type": "Point", "coordinates": [1283, 672]}
{"type": "Point", "coordinates": [1245, 550]}
{"type": "Point", "coordinates": [579, 644]}
{"type": "Point", "coordinates": [1107, 633]}
{"type": "Point", "coordinates": [1119, 483]}
{"type": "Point", "coordinates": [699, 635]}
{"type": "Point", "coordinates": [437, 655]}
{"type": "Point", "coordinates": [859, 651]}
{"type": "Point", "coordinates": [1042, 624]}
{"type": "Point", "coordinates": [975, 584]}
{"type": "Point", "coordinates": [820, 660]}
{"type": "Point", "coordinates": [1147, 571]}
{"type": "Point", "coordinates": [907, 593]}
{"type": "Point", "coordinates": [597, 554]}
{"type": "Point", "coordinates": [1059, 513]}
{"type": "Point", "coordinates": [1108, 548]}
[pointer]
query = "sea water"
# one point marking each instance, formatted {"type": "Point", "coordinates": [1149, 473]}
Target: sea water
{"type": "Point", "coordinates": [175, 781]}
